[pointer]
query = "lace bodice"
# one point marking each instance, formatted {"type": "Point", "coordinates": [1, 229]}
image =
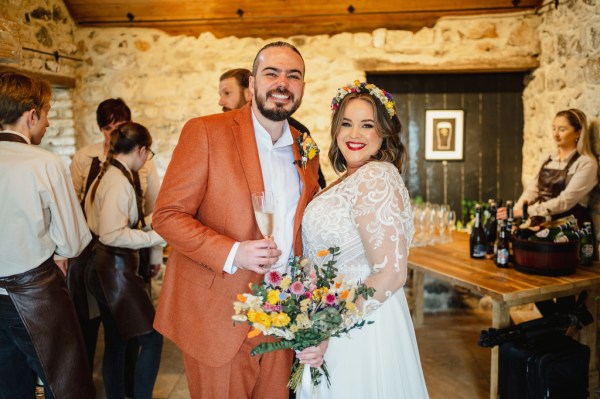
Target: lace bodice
{"type": "Point", "coordinates": [368, 216]}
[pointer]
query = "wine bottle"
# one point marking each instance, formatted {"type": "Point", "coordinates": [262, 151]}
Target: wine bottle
{"type": "Point", "coordinates": [502, 255]}
{"type": "Point", "coordinates": [491, 226]}
{"type": "Point", "coordinates": [586, 246]}
{"type": "Point", "coordinates": [477, 242]}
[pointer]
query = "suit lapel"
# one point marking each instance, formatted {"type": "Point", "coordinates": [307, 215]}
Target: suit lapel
{"type": "Point", "coordinates": [245, 141]}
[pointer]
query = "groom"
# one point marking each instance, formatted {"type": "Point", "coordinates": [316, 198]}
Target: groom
{"type": "Point", "coordinates": [204, 210]}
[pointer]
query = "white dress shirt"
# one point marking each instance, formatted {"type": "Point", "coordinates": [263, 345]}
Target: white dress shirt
{"type": "Point", "coordinates": [113, 215]}
{"type": "Point", "coordinates": [280, 176]}
{"type": "Point", "coordinates": [39, 212]}
{"type": "Point", "coordinates": [582, 177]}
{"type": "Point", "coordinates": [149, 182]}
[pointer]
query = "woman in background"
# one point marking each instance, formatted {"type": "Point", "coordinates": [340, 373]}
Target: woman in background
{"type": "Point", "coordinates": [565, 178]}
{"type": "Point", "coordinates": [563, 184]}
{"type": "Point", "coordinates": [114, 211]}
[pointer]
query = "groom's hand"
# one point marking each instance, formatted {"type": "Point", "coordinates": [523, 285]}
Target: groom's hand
{"type": "Point", "coordinates": [257, 255]}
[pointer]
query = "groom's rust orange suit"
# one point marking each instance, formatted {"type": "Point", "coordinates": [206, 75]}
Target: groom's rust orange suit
{"type": "Point", "coordinates": [203, 208]}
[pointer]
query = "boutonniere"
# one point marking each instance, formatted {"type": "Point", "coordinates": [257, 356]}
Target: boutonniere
{"type": "Point", "coordinates": [308, 149]}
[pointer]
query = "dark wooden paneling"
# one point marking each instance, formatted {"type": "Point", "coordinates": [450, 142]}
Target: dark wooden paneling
{"type": "Point", "coordinates": [493, 134]}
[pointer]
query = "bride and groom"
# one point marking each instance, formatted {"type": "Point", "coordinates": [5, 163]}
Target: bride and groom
{"type": "Point", "coordinates": [204, 211]}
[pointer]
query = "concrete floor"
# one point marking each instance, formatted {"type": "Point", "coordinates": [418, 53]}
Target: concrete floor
{"type": "Point", "coordinates": [452, 361]}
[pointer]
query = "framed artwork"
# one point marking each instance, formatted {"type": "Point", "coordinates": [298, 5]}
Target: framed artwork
{"type": "Point", "coordinates": [444, 134]}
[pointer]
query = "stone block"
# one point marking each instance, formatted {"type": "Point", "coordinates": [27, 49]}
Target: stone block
{"type": "Point", "coordinates": [591, 70]}
{"type": "Point", "coordinates": [482, 30]}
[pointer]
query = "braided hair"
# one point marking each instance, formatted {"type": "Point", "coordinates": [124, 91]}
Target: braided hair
{"type": "Point", "coordinates": [124, 139]}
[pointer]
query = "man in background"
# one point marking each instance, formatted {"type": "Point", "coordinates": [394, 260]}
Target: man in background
{"type": "Point", "coordinates": [234, 93]}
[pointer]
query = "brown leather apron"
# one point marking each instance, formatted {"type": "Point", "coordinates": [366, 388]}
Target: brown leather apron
{"type": "Point", "coordinates": [41, 298]}
{"type": "Point", "coordinates": [124, 290]}
{"type": "Point", "coordinates": [551, 182]}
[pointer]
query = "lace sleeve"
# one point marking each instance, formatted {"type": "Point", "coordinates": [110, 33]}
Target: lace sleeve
{"type": "Point", "coordinates": [384, 220]}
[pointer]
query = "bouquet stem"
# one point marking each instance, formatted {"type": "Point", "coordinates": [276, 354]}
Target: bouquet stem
{"type": "Point", "coordinates": [315, 375]}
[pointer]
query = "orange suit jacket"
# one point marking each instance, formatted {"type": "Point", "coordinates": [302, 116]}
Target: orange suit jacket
{"type": "Point", "coordinates": [204, 206]}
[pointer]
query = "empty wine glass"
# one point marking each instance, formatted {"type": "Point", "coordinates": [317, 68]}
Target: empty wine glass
{"type": "Point", "coordinates": [264, 207]}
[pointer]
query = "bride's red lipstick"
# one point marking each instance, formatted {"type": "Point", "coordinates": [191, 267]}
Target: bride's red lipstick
{"type": "Point", "coordinates": [354, 146]}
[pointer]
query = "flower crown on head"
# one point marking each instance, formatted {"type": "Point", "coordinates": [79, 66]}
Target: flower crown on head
{"type": "Point", "coordinates": [383, 96]}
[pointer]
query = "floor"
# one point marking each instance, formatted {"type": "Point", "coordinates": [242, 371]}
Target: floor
{"type": "Point", "coordinates": [452, 361]}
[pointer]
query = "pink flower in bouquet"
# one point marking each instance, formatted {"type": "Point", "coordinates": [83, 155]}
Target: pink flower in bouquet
{"type": "Point", "coordinates": [274, 278]}
{"type": "Point", "coordinates": [330, 299]}
{"type": "Point", "coordinates": [308, 295]}
{"type": "Point", "coordinates": [297, 288]}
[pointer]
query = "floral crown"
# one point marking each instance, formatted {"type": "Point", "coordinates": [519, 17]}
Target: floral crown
{"type": "Point", "coordinates": [383, 96]}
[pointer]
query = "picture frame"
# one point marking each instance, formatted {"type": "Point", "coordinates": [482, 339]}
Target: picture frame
{"type": "Point", "coordinates": [444, 134]}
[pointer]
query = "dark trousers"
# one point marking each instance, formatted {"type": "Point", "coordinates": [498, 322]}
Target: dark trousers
{"type": "Point", "coordinates": [113, 364]}
{"type": "Point", "coordinates": [19, 363]}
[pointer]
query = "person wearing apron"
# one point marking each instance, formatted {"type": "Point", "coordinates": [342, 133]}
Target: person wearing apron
{"type": "Point", "coordinates": [114, 214]}
{"type": "Point", "coordinates": [85, 167]}
{"type": "Point", "coordinates": [563, 184]}
{"type": "Point", "coordinates": [41, 221]}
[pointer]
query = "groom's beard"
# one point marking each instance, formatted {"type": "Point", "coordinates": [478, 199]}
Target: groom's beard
{"type": "Point", "coordinates": [279, 113]}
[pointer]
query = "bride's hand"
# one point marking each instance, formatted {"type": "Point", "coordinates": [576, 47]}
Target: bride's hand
{"type": "Point", "coordinates": [313, 356]}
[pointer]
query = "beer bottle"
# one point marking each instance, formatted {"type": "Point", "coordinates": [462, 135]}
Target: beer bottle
{"type": "Point", "coordinates": [586, 245]}
{"type": "Point", "coordinates": [502, 255]}
{"type": "Point", "coordinates": [477, 241]}
{"type": "Point", "coordinates": [490, 229]}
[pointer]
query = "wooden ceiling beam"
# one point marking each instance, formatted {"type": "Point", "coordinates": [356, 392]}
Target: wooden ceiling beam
{"type": "Point", "coordinates": [270, 18]}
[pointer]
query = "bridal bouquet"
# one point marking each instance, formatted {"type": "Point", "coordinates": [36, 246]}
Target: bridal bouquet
{"type": "Point", "coordinates": [302, 308]}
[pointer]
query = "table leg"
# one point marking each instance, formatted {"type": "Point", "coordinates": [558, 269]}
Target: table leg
{"type": "Point", "coordinates": [500, 319]}
{"type": "Point", "coordinates": [588, 336]}
{"type": "Point", "coordinates": [418, 288]}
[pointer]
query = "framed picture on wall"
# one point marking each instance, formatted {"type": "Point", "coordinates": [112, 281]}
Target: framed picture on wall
{"type": "Point", "coordinates": [444, 134]}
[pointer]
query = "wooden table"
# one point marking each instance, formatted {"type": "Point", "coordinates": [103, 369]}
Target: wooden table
{"type": "Point", "coordinates": [450, 262]}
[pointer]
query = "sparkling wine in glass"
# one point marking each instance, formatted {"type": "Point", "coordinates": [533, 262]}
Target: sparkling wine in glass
{"type": "Point", "coordinates": [264, 207]}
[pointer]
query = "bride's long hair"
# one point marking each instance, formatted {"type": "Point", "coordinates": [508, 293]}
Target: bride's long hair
{"type": "Point", "coordinates": [389, 129]}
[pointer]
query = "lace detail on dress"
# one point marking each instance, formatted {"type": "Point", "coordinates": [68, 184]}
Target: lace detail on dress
{"type": "Point", "coordinates": [368, 216]}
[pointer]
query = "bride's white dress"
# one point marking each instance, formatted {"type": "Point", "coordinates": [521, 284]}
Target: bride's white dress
{"type": "Point", "coordinates": [368, 216]}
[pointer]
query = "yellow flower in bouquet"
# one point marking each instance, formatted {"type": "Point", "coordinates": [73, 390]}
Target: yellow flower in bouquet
{"type": "Point", "coordinates": [302, 308]}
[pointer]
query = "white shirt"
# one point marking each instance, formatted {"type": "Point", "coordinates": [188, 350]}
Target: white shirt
{"type": "Point", "coordinates": [582, 177]}
{"type": "Point", "coordinates": [149, 182]}
{"type": "Point", "coordinates": [39, 212]}
{"type": "Point", "coordinates": [113, 215]}
{"type": "Point", "coordinates": [80, 168]}
{"type": "Point", "coordinates": [280, 177]}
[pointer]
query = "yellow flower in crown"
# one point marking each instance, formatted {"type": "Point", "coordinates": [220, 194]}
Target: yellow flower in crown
{"type": "Point", "coordinates": [308, 149]}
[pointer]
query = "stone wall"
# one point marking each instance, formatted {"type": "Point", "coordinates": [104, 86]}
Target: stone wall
{"type": "Point", "coordinates": [166, 80]}
{"type": "Point", "coordinates": [568, 75]}
{"type": "Point", "coordinates": [28, 29]}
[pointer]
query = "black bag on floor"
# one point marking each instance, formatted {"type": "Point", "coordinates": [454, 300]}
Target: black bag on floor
{"type": "Point", "coordinates": [552, 366]}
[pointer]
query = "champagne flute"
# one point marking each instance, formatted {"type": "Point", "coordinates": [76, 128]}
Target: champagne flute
{"type": "Point", "coordinates": [264, 208]}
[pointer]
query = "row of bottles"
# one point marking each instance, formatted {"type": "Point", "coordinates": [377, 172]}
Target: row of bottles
{"type": "Point", "coordinates": [492, 239]}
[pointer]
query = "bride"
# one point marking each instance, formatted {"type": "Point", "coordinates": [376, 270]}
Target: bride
{"type": "Point", "coordinates": [366, 212]}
